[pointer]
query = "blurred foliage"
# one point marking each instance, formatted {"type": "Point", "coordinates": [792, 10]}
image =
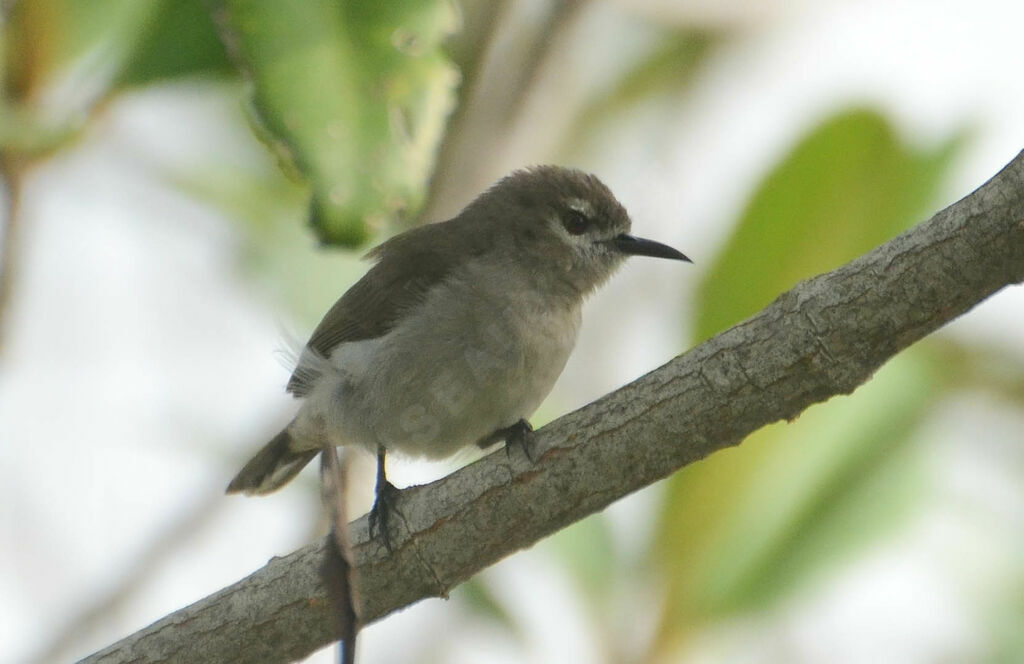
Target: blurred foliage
{"type": "Point", "coordinates": [671, 68]}
{"type": "Point", "coordinates": [50, 48]}
{"type": "Point", "coordinates": [751, 523]}
{"type": "Point", "coordinates": [1007, 635]}
{"type": "Point", "coordinates": [590, 551]}
{"type": "Point", "coordinates": [46, 39]}
{"type": "Point", "coordinates": [42, 43]}
{"type": "Point", "coordinates": [277, 255]}
{"type": "Point", "coordinates": [477, 595]}
{"type": "Point", "coordinates": [844, 189]}
{"type": "Point", "coordinates": [353, 98]}
{"type": "Point", "coordinates": [355, 94]}
{"type": "Point", "coordinates": [178, 40]}
{"type": "Point", "coordinates": [746, 526]}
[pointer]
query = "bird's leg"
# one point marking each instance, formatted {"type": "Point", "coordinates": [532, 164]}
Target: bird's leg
{"type": "Point", "coordinates": [384, 503]}
{"type": "Point", "coordinates": [517, 435]}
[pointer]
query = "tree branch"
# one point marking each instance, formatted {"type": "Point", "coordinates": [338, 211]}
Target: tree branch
{"type": "Point", "coordinates": [824, 337]}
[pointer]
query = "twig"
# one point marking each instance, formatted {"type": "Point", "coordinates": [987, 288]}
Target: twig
{"type": "Point", "coordinates": [337, 568]}
{"type": "Point", "coordinates": [471, 66]}
{"type": "Point", "coordinates": [479, 130]}
{"type": "Point", "coordinates": [10, 176]}
{"type": "Point", "coordinates": [559, 20]}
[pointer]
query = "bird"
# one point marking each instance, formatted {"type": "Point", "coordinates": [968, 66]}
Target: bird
{"type": "Point", "coordinates": [457, 332]}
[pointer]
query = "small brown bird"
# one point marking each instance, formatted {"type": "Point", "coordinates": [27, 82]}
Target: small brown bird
{"type": "Point", "coordinates": [458, 332]}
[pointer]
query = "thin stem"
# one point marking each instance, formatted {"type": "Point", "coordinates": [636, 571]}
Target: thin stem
{"type": "Point", "coordinates": [10, 174]}
{"type": "Point", "coordinates": [338, 569]}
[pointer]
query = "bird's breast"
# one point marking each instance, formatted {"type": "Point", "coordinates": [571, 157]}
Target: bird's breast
{"type": "Point", "coordinates": [476, 355]}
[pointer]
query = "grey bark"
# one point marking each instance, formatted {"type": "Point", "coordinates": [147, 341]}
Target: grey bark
{"type": "Point", "coordinates": [824, 337]}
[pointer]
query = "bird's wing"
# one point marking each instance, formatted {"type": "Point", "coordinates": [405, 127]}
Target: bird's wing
{"type": "Point", "coordinates": [408, 266]}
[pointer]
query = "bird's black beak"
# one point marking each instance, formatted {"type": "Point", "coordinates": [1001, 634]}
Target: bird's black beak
{"type": "Point", "coordinates": [637, 246]}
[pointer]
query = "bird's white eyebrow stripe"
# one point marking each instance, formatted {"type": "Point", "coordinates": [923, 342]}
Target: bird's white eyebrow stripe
{"type": "Point", "coordinates": [581, 205]}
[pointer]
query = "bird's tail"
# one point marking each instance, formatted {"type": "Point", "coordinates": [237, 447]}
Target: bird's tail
{"type": "Point", "coordinates": [272, 467]}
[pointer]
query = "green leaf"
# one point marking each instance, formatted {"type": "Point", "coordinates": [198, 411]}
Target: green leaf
{"type": "Point", "coordinates": [980, 367]}
{"type": "Point", "coordinates": [840, 477]}
{"type": "Point", "coordinates": [846, 188]}
{"type": "Point", "coordinates": [179, 40]}
{"type": "Point", "coordinates": [25, 133]}
{"type": "Point", "coordinates": [132, 42]}
{"type": "Point", "coordinates": [44, 38]}
{"type": "Point", "coordinates": [46, 43]}
{"type": "Point", "coordinates": [747, 525]}
{"type": "Point", "coordinates": [355, 95]}
{"type": "Point", "coordinates": [1004, 620]}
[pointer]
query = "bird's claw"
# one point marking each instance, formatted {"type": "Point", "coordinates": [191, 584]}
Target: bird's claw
{"type": "Point", "coordinates": [518, 436]}
{"type": "Point", "coordinates": [384, 505]}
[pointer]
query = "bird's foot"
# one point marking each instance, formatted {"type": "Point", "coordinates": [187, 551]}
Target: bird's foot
{"type": "Point", "coordinates": [384, 506]}
{"type": "Point", "coordinates": [518, 436]}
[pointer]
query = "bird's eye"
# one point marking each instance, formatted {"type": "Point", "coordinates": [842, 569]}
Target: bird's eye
{"type": "Point", "coordinates": [575, 222]}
